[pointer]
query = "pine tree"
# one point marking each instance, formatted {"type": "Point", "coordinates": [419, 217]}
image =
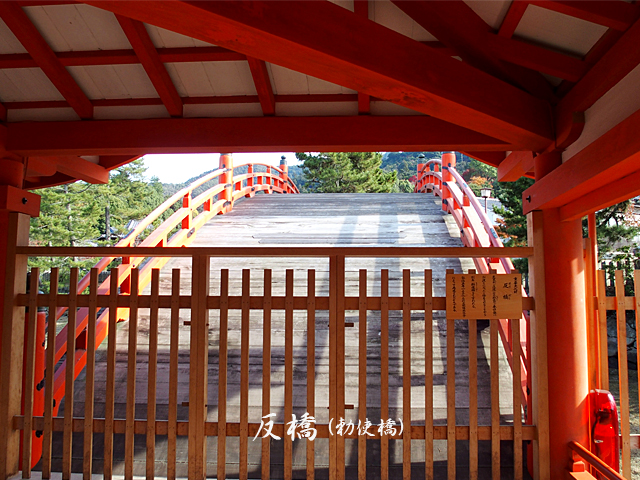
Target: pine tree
{"type": "Point", "coordinates": [353, 172]}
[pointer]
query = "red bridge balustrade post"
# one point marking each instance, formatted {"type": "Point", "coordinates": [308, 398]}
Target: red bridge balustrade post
{"type": "Point", "coordinates": [250, 180]}
{"type": "Point", "coordinates": [448, 160]}
{"type": "Point", "coordinates": [284, 175]}
{"type": "Point", "coordinates": [420, 180]}
{"type": "Point", "coordinates": [268, 181]}
{"type": "Point", "coordinates": [16, 206]}
{"type": "Point", "coordinates": [226, 161]}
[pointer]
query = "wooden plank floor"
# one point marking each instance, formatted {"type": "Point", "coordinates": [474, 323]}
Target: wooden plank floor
{"type": "Point", "coordinates": [328, 219]}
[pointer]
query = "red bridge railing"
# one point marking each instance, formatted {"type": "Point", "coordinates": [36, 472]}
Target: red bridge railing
{"type": "Point", "coordinates": [441, 178]}
{"type": "Point", "coordinates": [188, 219]}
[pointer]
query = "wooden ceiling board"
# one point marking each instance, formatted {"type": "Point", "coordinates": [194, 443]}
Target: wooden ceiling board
{"type": "Point", "coordinates": [491, 11]}
{"type": "Point", "coordinates": [230, 78]}
{"type": "Point", "coordinates": [288, 82]}
{"type": "Point", "coordinates": [325, 109]}
{"type": "Point", "coordinates": [190, 79]}
{"type": "Point", "coordinates": [114, 81]}
{"type": "Point", "coordinates": [317, 85]}
{"type": "Point", "coordinates": [130, 113]}
{"type": "Point", "coordinates": [223, 110]}
{"type": "Point", "coordinates": [163, 38]}
{"type": "Point", "coordinates": [387, 108]}
{"type": "Point", "coordinates": [77, 28]}
{"type": "Point", "coordinates": [8, 41]}
{"type": "Point", "coordinates": [43, 115]}
{"type": "Point", "coordinates": [387, 14]}
{"type": "Point", "coordinates": [26, 85]}
{"type": "Point", "coordinates": [558, 31]}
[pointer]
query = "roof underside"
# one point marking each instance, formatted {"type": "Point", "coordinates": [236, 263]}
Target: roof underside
{"type": "Point", "coordinates": [483, 76]}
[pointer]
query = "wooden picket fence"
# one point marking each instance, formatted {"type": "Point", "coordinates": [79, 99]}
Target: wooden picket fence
{"type": "Point", "coordinates": [210, 422]}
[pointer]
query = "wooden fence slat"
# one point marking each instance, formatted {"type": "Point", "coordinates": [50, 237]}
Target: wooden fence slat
{"type": "Point", "coordinates": [602, 334]}
{"type": "Point", "coordinates": [428, 374]}
{"type": "Point", "coordinates": [333, 287]}
{"type": "Point", "coordinates": [266, 372]}
{"type": "Point", "coordinates": [173, 374]}
{"type": "Point", "coordinates": [473, 396]}
{"type": "Point", "coordinates": [90, 376]}
{"type": "Point", "coordinates": [311, 364]}
{"type": "Point", "coordinates": [340, 367]}
{"type": "Point", "coordinates": [49, 373]}
{"type": "Point", "coordinates": [29, 374]}
{"type": "Point", "coordinates": [132, 349]}
{"type": "Point", "coordinates": [384, 370]}
{"type": "Point", "coordinates": [222, 373]}
{"type": "Point", "coordinates": [406, 374]}
{"type": "Point", "coordinates": [636, 292]}
{"type": "Point", "coordinates": [623, 375]}
{"type": "Point", "coordinates": [495, 400]}
{"type": "Point", "coordinates": [288, 373]}
{"type": "Point", "coordinates": [109, 409]}
{"type": "Point", "coordinates": [362, 373]}
{"type": "Point", "coordinates": [69, 375]}
{"type": "Point", "coordinates": [517, 397]}
{"type": "Point", "coordinates": [153, 375]}
{"type": "Point", "coordinates": [451, 397]}
{"type": "Point", "coordinates": [244, 374]}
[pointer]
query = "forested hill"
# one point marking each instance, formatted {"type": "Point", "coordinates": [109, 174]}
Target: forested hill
{"type": "Point", "coordinates": [406, 163]}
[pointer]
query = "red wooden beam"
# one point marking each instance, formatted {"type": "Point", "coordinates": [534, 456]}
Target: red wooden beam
{"type": "Point", "coordinates": [611, 157]}
{"type": "Point", "coordinates": [45, 58]}
{"type": "Point", "coordinates": [125, 57]}
{"type": "Point", "coordinates": [514, 166]}
{"type": "Point", "coordinates": [512, 18]}
{"type": "Point", "coordinates": [253, 134]}
{"type": "Point", "coordinates": [114, 161]}
{"type": "Point", "coordinates": [615, 14]}
{"type": "Point", "coordinates": [145, 50]}
{"type": "Point", "coordinates": [623, 57]}
{"type": "Point", "coordinates": [359, 54]}
{"type": "Point", "coordinates": [262, 82]}
{"type": "Point", "coordinates": [78, 168]}
{"type": "Point", "coordinates": [361, 8]}
{"type": "Point", "coordinates": [490, 158]}
{"type": "Point", "coordinates": [456, 25]}
{"type": "Point", "coordinates": [44, 182]}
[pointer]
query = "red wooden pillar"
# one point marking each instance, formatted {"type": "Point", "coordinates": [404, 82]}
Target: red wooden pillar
{"type": "Point", "coordinates": [16, 206]}
{"type": "Point", "coordinates": [284, 175]}
{"type": "Point", "coordinates": [448, 160]}
{"type": "Point", "coordinates": [250, 181]}
{"type": "Point", "coordinates": [568, 379]}
{"type": "Point", "coordinates": [226, 162]}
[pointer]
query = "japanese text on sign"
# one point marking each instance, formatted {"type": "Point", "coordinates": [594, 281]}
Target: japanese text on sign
{"type": "Point", "coordinates": [473, 296]}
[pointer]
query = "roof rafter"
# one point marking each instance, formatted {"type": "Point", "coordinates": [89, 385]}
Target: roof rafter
{"type": "Point", "coordinates": [252, 134]}
{"type": "Point", "coordinates": [262, 82]}
{"type": "Point", "coordinates": [146, 51]}
{"type": "Point", "coordinates": [375, 60]}
{"type": "Point", "coordinates": [515, 165]}
{"type": "Point", "coordinates": [45, 58]}
{"type": "Point", "coordinates": [512, 18]}
{"type": "Point", "coordinates": [361, 7]}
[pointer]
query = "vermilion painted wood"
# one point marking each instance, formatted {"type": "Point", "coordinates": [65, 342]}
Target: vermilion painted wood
{"type": "Point", "coordinates": [612, 14]}
{"type": "Point", "coordinates": [114, 161]}
{"type": "Point", "coordinates": [623, 57]}
{"type": "Point", "coordinates": [361, 8]}
{"type": "Point", "coordinates": [263, 85]}
{"type": "Point", "coordinates": [512, 19]}
{"type": "Point", "coordinates": [585, 172]}
{"type": "Point", "coordinates": [377, 61]}
{"type": "Point", "coordinates": [78, 168]}
{"type": "Point", "coordinates": [45, 58]}
{"type": "Point", "coordinates": [514, 166]}
{"type": "Point", "coordinates": [146, 51]}
{"type": "Point", "coordinates": [456, 25]}
{"type": "Point", "coordinates": [490, 158]}
{"type": "Point", "coordinates": [206, 135]}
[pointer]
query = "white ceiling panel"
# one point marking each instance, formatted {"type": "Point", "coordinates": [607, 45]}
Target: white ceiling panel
{"type": "Point", "coordinates": [387, 14]}
{"type": "Point", "coordinates": [26, 85]}
{"type": "Point", "coordinates": [8, 41]}
{"type": "Point", "coordinates": [317, 85]}
{"type": "Point", "coordinates": [223, 110]}
{"type": "Point", "coordinates": [309, 109]}
{"type": "Point", "coordinates": [42, 115]}
{"type": "Point", "coordinates": [288, 82]}
{"type": "Point", "coordinates": [388, 108]}
{"type": "Point", "coordinates": [78, 27]}
{"type": "Point", "coordinates": [559, 31]}
{"type": "Point", "coordinates": [491, 11]}
{"type": "Point", "coordinates": [190, 79]}
{"type": "Point", "coordinates": [130, 113]}
{"type": "Point", "coordinates": [230, 78]}
{"type": "Point", "coordinates": [114, 81]}
{"type": "Point", "coordinates": [166, 38]}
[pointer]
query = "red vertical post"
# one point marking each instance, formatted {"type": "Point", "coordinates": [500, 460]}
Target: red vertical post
{"type": "Point", "coordinates": [250, 180]}
{"type": "Point", "coordinates": [226, 162]}
{"type": "Point", "coordinates": [268, 180]}
{"type": "Point", "coordinates": [186, 203]}
{"type": "Point", "coordinates": [448, 160]}
{"type": "Point", "coordinates": [284, 174]}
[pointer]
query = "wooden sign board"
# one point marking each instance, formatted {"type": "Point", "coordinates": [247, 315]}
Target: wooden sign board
{"type": "Point", "coordinates": [474, 296]}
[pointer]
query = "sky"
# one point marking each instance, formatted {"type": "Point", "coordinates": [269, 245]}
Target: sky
{"type": "Point", "coordinates": [176, 168]}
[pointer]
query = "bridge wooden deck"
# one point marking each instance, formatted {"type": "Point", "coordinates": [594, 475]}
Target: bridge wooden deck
{"type": "Point", "coordinates": [312, 220]}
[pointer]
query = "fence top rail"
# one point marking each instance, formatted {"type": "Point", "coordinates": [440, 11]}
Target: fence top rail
{"type": "Point", "coordinates": [244, 252]}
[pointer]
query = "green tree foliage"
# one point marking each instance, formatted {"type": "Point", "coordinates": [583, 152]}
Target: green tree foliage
{"type": "Point", "coordinates": [353, 172]}
{"type": "Point", "coordinates": [79, 213]}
